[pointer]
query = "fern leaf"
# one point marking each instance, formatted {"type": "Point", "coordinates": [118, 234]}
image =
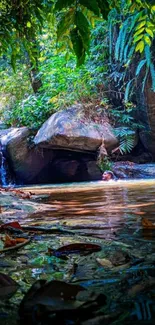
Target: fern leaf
{"type": "Point", "coordinates": [127, 90]}
{"type": "Point", "coordinates": [132, 50]}
{"type": "Point", "coordinates": [139, 67]}
{"type": "Point", "coordinates": [118, 43]}
{"type": "Point", "coordinates": [134, 20]}
{"type": "Point", "coordinates": [123, 41]}
{"type": "Point", "coordinates": [126, 144]}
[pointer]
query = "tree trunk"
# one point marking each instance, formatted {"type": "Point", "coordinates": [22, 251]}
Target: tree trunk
{"type": "Point", "coordinates": [36, 82]}
{"type": "Point", "coordinates": [149, 136]}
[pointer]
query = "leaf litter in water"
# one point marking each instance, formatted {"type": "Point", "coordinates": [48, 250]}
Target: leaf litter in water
{"type": "Point", "coordinates": [147, 224]}
{"type": "Point", "coordinates": [7, 286]}
{"type": "Point", "coordinates": [57, 302]}
{"type": "Point", "coordinates": [13, 224]}
{"type": "Point", "coordinates": [75, 248]}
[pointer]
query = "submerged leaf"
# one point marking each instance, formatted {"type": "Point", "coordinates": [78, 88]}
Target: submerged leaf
{"type": "Point", "coordinates": [13, 224]}
{"type": "Point", "coordinates": [147, 223]}
{"type": "Point", "coordinates": [7, 286]}
{"type": "Point", "coordinates": [104, 262]}
{"type": "Point", "coordinates": [53, 296]}
{"type": "Point", "coordinates": [10, 242]}
{"type": "Point", "coordinates": [77, 248]}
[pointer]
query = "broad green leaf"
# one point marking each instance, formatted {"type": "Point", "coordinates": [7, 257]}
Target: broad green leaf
{"type": "Point", "coordinates": [78, 46]}
{"type": "Point", "coordinates": [139, 31]}
{"type": "Point", "coordinates": [28, 24]}
{"type": "Point", "coordinates": [149, 24]}
{"type": "Point", "coordinates": [104, 7]}
{"type": "Point", "coordinates": [147, 40]}
{"type": "Point", "coordinates": [143, 23]}
{"type": "Point", "coordinates": [83, 27]}
{"type": "Point", "coordinates": [137, 38]}
{"type": "Point", "coordinates": [60, 4]}
{"type": "Point", "coordinates": [65, 23]}
{"type": "Point", "coordinates": [149, 31]}
{"type": "Point", "coordinates": [142, 17]}
{"type": "Point", "coordinates": [140, 46]}
{"type": "Point", "coordinates": [91, 5]}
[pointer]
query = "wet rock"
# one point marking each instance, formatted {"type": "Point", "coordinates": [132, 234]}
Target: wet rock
{"type": "Point", "coordinates": [119, 257]}
{"type": "Point", "coordinates": [129, 170]}
{"type": "Point", "coordinates": [28, 164]}
{"type": "Point", "coordinates": [94, 172]}
{"type": "Point", "coordinates": [74, 130]}
{"type": "Point", "coordinates": [65, 169]}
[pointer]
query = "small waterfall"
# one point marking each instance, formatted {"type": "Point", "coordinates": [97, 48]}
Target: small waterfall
{"type": "Point", "coordinates": [5, 176]}
{"type": "Point", "coordinates": [3, 172]}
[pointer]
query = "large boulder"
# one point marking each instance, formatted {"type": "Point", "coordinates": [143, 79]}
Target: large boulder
{"type": "Point", "coordinates": [29, 164]}
{"type": "Point", "coordinates": [94, 171]}
{"type": "Point", "coordinates": [78, 129]}
{"type": "Point", "coordinates": [129, 170]}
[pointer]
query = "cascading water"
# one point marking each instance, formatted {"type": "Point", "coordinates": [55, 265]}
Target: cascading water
{"type": "Point", "coordinates": [3, 172]}
{"type": "Point", "coordinates": [5, 176]}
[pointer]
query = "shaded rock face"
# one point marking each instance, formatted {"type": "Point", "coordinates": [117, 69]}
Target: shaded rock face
{"type": "Point", "coordinates": [28, 164]}
{"type": "Point", "coordinates": [71, 129]}
{"type": "Point", "coordinates": [94, 173]}
{"type": "Point", "coordinates": [33, 165]}
{"type": "Point", "coordinates": [128, 170]}
{"type": "Point", "coordinates": [73, 166]}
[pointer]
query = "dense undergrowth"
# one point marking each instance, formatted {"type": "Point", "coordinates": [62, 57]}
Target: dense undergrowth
{"type": "Point", "coordinates": [105, 78]}
{"type": "Point", "coordinates": [62, 82]}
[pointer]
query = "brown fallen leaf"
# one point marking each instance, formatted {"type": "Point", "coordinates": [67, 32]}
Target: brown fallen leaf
{"type": "Point", "coordinates": [75, 248]}
{"type": "Point", "coordinates": [147, 223]}
{"type": "Point", "coordinates": [10, 242]}
{"type": "Point", "coordinates": [13, 224]}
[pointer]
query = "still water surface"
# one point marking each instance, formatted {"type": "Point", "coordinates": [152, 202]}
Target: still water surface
{"type": "Point", "coordinates": [100, 209]}
{"type": "Point", "coordinates": [110, 214]}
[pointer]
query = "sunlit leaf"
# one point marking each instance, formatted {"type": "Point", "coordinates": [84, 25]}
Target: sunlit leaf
{"type": "Point", "coordinates": [140, 46]}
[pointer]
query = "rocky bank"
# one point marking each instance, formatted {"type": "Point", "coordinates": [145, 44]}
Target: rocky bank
{"type": "Point", "coordinates": [65, 148]}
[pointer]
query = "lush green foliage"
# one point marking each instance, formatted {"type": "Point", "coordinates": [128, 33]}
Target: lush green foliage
{"type": "Point", "coordinates": [136, 34]}
{"type": "Point", "coordinates": [32, 31]}
{"type": "Point", "coordinates": [104, 163]}
{"type": "Point", "coordinates": [20, 24]}
{"type": "Point", "coordinates": [63, 85]}
{"type": "Point", "coordinates": [62, 82]}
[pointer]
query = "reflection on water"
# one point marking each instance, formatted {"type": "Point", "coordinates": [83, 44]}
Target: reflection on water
{"type": "Point", "coordinates": [101, 209]}
{"type": "Point", "coordinates": [109, 214]}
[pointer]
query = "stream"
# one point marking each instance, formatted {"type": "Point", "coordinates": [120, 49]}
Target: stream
{"type": "Point", "coordinates": [111, 214]}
